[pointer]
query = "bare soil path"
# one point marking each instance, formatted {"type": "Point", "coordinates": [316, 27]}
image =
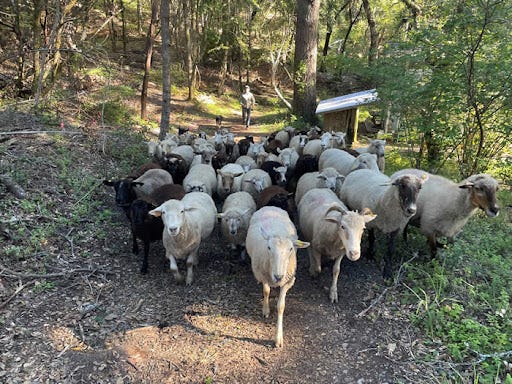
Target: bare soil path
{"type": "Point", "coordinates": [84, 313]}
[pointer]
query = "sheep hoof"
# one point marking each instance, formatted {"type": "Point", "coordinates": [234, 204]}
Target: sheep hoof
{"type": "Point", "coordinates": [144, 270]}
{"type": "Point", "coordinates": [178, 278]}
{"type": "Point", "coordinates": [279, 343]}
{"type": "Point", "coordinates": [266, 312]}
{"type": "Point", "coordinates": [334, 297]}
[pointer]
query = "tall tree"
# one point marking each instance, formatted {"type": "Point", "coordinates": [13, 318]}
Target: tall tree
{"type": "Point", "coordinates": [306, 46]}
{"type": "Point", "coordinates": [150, 38]}
{"type": "Point", "coordinates": [166, 68]}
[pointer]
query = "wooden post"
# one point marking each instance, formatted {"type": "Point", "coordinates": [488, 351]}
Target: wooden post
{"type": "Point", "coordinates": [355, 123]}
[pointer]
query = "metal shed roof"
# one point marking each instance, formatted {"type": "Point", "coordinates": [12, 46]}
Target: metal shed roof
{"type": "Point", "coordinates": [350, 101]}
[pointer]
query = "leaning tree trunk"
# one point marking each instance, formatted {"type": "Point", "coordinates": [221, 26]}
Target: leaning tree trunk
{"type": "Point", "coordinates": [150, 38]}
{"type": "Point", "coordinates": [304, 89]}
{"type": "Point", "coordinates": [166, 68]}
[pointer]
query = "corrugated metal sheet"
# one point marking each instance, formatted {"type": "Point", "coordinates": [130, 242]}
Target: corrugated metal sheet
{"type": "Point", "coordinates": [350, 101]}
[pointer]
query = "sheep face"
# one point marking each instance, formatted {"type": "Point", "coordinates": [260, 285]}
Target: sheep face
{"type": "Point", "coordinates": [195, 188]}
{"type": "Point", "coordinates": [227, 180]}
{"type": "Point", "coordinates": [482, 189]}
{"type": "Point", "coordinates": [325, 140]}
{"type": "Point", "coordinates": [233, 222]}
{"type": "Point", "coordinates": [377, 147]}
{"type": "Point", "coordinates": [257, 182]}
{"type": "Point", "coordinates": [408, 189]}
{"type": "Point", "coordinates": [282, 252]}
{"type": "Point", "coordinates": [331, 181]}
{"type": "Point", "coordinates": [124, 191]}
{"type": "Point", "coordinates": [139, 211]}
{"type": "Point", "coordinates": [172, 213]}
{"type": "Point", "coordinates": [339, 139]}
{"type": "Point", "coordinates": [350, 228]}
{"type": "Point", "coordinates": [280, 175]}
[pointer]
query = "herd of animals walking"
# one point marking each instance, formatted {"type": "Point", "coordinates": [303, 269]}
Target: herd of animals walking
{"type": "Point", "coordinates": [266, 193]}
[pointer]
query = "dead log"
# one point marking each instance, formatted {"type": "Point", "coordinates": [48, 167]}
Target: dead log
{"type": "Point", "coordinates": [12, 186]}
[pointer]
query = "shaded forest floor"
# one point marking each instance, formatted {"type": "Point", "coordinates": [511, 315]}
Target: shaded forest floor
{"type": "Point", "coordinates": [76, 309]}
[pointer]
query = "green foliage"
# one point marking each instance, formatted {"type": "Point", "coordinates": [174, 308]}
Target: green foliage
{"type": "Point", "coordinates": [464, 301]}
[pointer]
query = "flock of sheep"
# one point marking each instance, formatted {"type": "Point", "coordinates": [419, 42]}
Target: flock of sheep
{"type": "Point", "coordinates": [265, 193]}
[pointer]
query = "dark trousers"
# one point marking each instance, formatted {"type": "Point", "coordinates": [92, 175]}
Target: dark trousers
{"type": "Point", "coordinates": [246, 116]}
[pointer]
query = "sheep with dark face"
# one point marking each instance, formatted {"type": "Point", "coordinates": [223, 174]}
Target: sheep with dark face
{"type": "Point", "coordinates": [272, 245]}
{"type": "Point", "coordinates": [128, 189]}
{"type": "Point", "coordinates": [276, 196]}
{"type": "Point", "coordinates": [187, 222]}
{"type": "Point", "coordinates": [392, 200]}
{"type": "Point", "coordinates": [444, 207]}
{"type": "Point", "coordinates": [277, 172]}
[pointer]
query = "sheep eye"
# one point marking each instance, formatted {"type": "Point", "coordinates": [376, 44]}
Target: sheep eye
{"type": "Point", "coordinates": [342, 227]}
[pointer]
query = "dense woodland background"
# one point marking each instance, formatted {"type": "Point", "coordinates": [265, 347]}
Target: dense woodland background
{"type": "Point", "coordinates": [442, 68]}
{"type": "Point", "coordinates": [119, 72]}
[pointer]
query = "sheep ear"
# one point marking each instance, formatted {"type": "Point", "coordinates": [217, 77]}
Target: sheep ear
{"type": "Point", "coordinates": [110, 183]}
{"type": "Point", "coordinates": [157, 212]}
{"type": "Point", "coordinates": [137, 184]}
{"type": "Point", "coordinates": [220, 215]}
{"type": "Point", "coordinates": [238, 174]}
{"type": "Point", "coordinates": [300, 244]}
{"type": "Point", "coordinates": [368, 215]}
{"type": "Point", "coordinates": [278, 150]}
{"type": "Point", "coordinates": [467, 184]}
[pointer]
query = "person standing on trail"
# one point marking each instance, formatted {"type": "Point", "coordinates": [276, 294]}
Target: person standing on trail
{"type": "Point", "coordinates": [247, 101]}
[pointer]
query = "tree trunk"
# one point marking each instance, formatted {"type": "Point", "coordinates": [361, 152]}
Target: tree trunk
{"type": "Point", "coordinates": [150, 38]}
{"type": "Point", "coordinates": [187, 17]}
{"type": "Point", "coordinates": [374, 37]}
{"type": "Point", "coordinates": [166, 68]}
{"type": "Point", "coordinates": [304, 89]}
{"type": "Point", "coordinates": [123, 25]}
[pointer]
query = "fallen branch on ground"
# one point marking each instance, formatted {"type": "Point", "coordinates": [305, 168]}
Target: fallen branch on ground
{"type": "Point", "coordinates": [12, 186]}
{"type": "Point", "coordinates": [4, 271]}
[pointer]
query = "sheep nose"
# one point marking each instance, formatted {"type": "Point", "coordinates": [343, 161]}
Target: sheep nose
{"type": "Point", "coordinates": [353, 255]}
{"type": "Point", "coordinates": [278, 278]}
{"type": "Point", "coordinates": [233, 232]}
{"type": "Point", "coordinates": [173, 231]}
{"type": "Point", "coordinates": [494, 211]}
{"type": "Point", "coordinates": [411, 210]}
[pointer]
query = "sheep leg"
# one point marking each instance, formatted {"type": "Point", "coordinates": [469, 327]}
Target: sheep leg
{"type": "Point", "coordinates": [371, 244]}
{"type": "Point", "coordinates": [388, 258]}
{"type": "Point", "coordinates": [333, 293]}
{"type": "Point", "coordinates": [191, 261]}
{"type": "Point", "coordinates": [174, 268]}
{"type": "Point", "coordinates": [315, 262]}
{"type": "Point", "coordinates": [280, 312]}
{"type": "Point", "coordinates": [144, 268]}
{"type": "Point", "coordinates": [266, 295]}
{"type": "Point", "coordinates": [404, 234]}
{"type": "Point", "coordinates": [432, 242]}
{"type": "Point", "coordinates": [135, 246]}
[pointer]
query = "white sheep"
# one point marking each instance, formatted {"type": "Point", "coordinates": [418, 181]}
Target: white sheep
{"type": "Point", "coordinates": [285, 135]}
{"type": "Point", "coordinates": [393, 200]}
{"type": "Point", "coordinates": [254, 181]}
{"type": "Point", "coordinates": [201, 178]}
{"type": "Point", "coordinates": [317, 146]}
{"type": "Point", "coordinates": [327, 178]}
{"type": "Point", "coordinates": [229, 179]}
{"type": "Point", "coordinates": [298, 142]}
{"type": "Point", "coordinates": [376, 147]}
{"type": "Point", "coordinates": [187, 222]}
{"type": "Point", "coordinates": [149, 181]}
{"type": "Point", "coordinates": [332, 230]}
{"type": "Point", "coordinates": [345, 163]}
{"type": "Point", "coordinates": [271, 244]}
{"type": "Point", "coordinates": [444, 207]}
{"type": "Point", "coordinates": [288, 157]}
{"type": "Point", "coordinates": [236, 213]}
{"type": "Point", "coordinates": [186, 152]}
{"type": "Point", "coordinates": [247, 162]}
